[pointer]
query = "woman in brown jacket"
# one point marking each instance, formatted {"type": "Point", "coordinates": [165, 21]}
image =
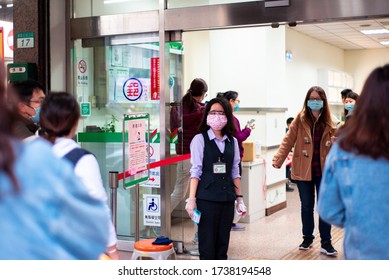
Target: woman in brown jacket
{"type": "Point", "coordinates": [310, 135]}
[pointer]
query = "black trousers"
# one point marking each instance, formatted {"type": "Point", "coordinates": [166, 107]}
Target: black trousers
{"type": "Point", "coordinates": [214, 228]}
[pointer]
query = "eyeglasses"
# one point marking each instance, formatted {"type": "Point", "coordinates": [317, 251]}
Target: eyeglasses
{"type": "Point", "coordinates": [237, 101]}
{"type": "Point", "coordinates": [216, 113]}
{"type": "Point", "coordinates": [205, 95]}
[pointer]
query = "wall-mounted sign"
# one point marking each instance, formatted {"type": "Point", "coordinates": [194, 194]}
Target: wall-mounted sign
{"type": "Point", "coordinates": [132, 89]}
{"type": "Point", "coordinates": [82, 73]}
{"type": "Point", "coordinates": [25, 40]}
{"type": "Point", "coordinates": [154, 65]}
{"type": "Point", "coordinates": [85, 108]}
{"type": "Point", "coordinates": [151, 210]}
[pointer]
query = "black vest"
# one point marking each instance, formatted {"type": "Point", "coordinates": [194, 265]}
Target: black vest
{"type": "Point", "coordinates": [216, 187]}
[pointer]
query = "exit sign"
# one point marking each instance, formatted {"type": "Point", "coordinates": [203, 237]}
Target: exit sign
{"type": "Point", "coordinates": [25, 40]}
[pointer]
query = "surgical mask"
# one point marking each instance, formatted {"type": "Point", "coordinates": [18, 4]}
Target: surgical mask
{"type": "Point", "coordinates": [349, 107]}
{"type": "Point", "coordinates": [35, 118]}
{"type": "Point", "coordinates": [315, 105]}
{"type": "Point", "coordinates": [216, 122]}
{"type": "Point", "coordinates": [236, 108]}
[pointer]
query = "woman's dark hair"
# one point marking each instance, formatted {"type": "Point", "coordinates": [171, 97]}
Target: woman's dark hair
{"type": "Point", "coordinates": [197, 88]}
{"type": "Point", "coordinates": [60, 112]}
{"type": "Point", "coordinates": [229, 129]}
{"type": "Point", "coordinates": [228, 95]}
{"type": "Point", "coordinates": [367, 133]}
{"type": "Point", "coordinates": [325, 115]}
{"type": "Point", "coordinates": [351, 95]}
{"type": "Point", "coordinates": [8, 116]}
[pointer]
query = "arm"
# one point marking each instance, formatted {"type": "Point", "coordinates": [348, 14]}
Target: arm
{"type": "Point", "coordinates": [287, 144]}
{"type": "Point", "coordinates": [88, 170]}
{"type": "Point", "coordinates": [330, 203]}
{"type": "Point", "coordinates": [241, 135]}
{"type": "Point", "coordinates": [196, 159]}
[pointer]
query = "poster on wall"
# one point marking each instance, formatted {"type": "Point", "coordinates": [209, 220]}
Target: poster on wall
{"type": "Point", "coordinates": [154, 74]}
{"type": "Point", "coordinates": [151, 210]}
{"type": "Point", "coordinates": [117, 56]}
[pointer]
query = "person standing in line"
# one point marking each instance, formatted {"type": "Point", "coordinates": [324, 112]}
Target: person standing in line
{"type": "Point", "coordinates": [288, 164]}
{"type": "Point", "coordinates": [310, 134]}
{"type": "Point", "coordinates": [354, 193]}
{"type": "Point", "coordinates": [215, 179]}
{"type": "Point", "coordinates": [187, 125]}
{"type": "Point", "coordinates": [186, 118]}
{"type": "Point", "coordinates": [59, 120]}
{"type": "Point", "coordinates": [46, 213]}
{"type": "Point", "coordinates": [349, 104]}
{"type": "Point", "coordinates": [30, 95]}
{"type": "Point", "coordinates": [240, 134]}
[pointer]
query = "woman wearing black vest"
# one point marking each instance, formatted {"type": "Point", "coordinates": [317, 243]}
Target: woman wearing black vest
{"type": "Point", "coordinates": [215, 179]}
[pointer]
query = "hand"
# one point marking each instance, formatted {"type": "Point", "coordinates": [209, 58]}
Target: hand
{"type": "Point", "coordinates": [190, 206]}
{"type": "Point", "coordinates": [252, 126]}
{"type": "Point", "coordinates": [113, 252]}
{"type": "Point", "coordinates": [275, 165]}
{"type": "Point", "coordinates": [333, 138]}
{"type": "Point", "coordinates": [240, 206]}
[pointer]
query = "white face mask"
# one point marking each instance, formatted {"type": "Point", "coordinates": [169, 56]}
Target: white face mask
{"type": "Point", "coordinates": [217, 122]}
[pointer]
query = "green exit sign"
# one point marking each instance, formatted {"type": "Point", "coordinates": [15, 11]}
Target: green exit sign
{"type": "Point", "coordinates": [85, 109]}
{"type": "Point", "coordinates": [25, 40]}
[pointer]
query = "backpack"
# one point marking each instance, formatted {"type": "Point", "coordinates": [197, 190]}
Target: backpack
{"type": "Point", "coordinates": [76, 154]}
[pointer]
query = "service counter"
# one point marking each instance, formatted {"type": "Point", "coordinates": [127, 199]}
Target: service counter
{"type": "Point", "coordinates": [253, 188]}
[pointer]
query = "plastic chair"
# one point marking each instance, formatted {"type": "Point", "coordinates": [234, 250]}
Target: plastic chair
{"type": "Point", "coordinates": [144, 249]}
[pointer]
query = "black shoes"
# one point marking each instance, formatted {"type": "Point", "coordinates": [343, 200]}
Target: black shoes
{"type": "Point", "coordinates": [306, 244]}
{"type": "Point", "coordinates": [328, 249]}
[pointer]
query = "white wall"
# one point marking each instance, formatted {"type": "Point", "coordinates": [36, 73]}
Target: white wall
{"type": "Point", "coordinates": [196, 58]}
{"type": "Point", "coordinates": [361, 62]}
{"type": "Point", "coordinates": [309, 55]}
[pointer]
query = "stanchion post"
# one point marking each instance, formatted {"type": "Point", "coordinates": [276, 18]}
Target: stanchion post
{"type": "Point", "coordinates": [113, 185]}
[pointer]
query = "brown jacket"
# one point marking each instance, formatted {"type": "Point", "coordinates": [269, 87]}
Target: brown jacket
{"type": "Point", "coordinates": [299, 136]}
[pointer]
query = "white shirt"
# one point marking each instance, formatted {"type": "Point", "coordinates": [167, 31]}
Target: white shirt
{"type": "Point", "coordinates": [88, 170]}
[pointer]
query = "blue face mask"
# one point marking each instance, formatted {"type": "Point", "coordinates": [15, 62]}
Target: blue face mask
{"type": "Point", "coordinates": [236, 108]}
{"type": "Point", "coordinates": [349, 107]}
{"type": "Point", "coordinates": [315, 105]}
{"type": "Point", "coordinates": [35, 118]}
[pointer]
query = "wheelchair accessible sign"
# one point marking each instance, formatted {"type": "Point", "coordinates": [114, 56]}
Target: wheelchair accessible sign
{"type": "Point", "coordinates": [152, 210]}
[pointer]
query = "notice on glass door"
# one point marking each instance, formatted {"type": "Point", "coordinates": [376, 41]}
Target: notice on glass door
{"type": "Point", "coordinates": [137, 146]}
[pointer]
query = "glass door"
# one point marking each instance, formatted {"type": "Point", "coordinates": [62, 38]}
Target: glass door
{"type": "Point", "coordinates": [123, 77]}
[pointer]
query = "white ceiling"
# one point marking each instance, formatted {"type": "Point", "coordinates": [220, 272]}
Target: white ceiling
{"type": "Point", "coordinates": [346, 34]}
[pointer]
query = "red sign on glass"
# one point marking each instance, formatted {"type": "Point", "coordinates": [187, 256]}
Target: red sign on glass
{"type": "Point", "coordinates": [154, 78]}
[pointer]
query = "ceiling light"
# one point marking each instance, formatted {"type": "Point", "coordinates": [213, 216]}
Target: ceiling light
{"type": "Point", "coordinates": [385, 43]}
{"type": "Point", "coordinates": [375, 31]}
{"type": "Point", "coordinates": [10, 5]}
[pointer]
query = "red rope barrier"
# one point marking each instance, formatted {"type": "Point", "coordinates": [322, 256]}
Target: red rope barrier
{"type": "Point", "coordinates": [160, 163]}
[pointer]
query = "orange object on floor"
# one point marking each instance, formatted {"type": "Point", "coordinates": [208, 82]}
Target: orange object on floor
{"type": "Point", "coordinates": [145, 249]}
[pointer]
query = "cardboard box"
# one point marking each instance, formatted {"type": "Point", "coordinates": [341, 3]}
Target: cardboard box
{"type": "Point", "coordinates": [249, 151]}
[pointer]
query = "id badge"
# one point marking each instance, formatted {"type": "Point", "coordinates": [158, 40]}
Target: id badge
{"type": "Point", "coordinates": [219, 168]}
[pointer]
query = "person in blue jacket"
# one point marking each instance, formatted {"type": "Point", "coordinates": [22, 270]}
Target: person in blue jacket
{"type": "Point", "coordinates": [354, 192]}
{"type": "Point", "coordinates": [46, 213]}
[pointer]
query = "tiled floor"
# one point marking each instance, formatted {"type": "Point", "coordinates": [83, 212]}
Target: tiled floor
{"type": "Point", "coordinates": [273, 237]}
